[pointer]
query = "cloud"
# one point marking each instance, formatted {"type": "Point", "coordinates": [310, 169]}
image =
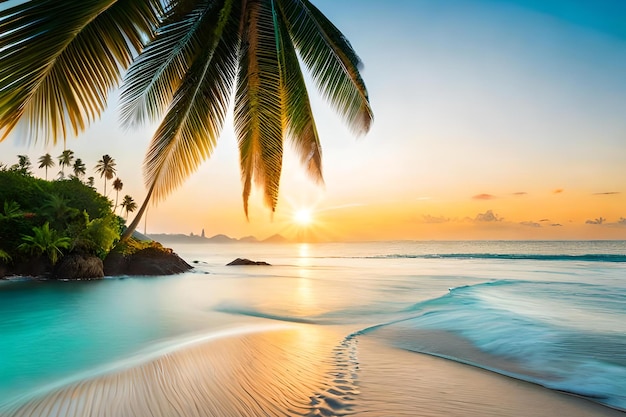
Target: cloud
{"type": "Point", "coordinates": [427, 218]}
{"type": "Point", "coordinates": [607, 193]}
{"type": "Point", "coordinates": [488, 216]}
{"type": "Point", "coordinates": [530, 224]}
{"type": "Point", "coordinates": [558, 191]}
{"type": "Point", "coordinates": [621, 221]}
{"type": "Point", "coordinates": [556, 225]}
{"type": "Point", "coordinates": [520, 193]}
{"type": "Point", "coordinates": [544, 220]}
{"type": "Point", "coordinates": [599, 220]}
{"type": "Point", "coordinates": [483, 197]}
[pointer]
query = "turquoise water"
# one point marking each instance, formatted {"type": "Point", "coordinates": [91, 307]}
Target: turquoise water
{"type": "Point", "coordinates": [553, 313]}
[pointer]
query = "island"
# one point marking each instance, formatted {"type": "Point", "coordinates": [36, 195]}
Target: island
{"type": "Point", "coordinates": [65, 229]}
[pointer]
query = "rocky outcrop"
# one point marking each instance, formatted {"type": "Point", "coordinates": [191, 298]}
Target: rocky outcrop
{"type": "Point", "coordinates": [243, 261]}
{"type": "Point", "coordinates": [148, 261]}
{"type": "Point", "coordinates": [79, 266]}
{"type": "Point", "coordinates": [74, 266]}
{"type": "Point", "coordinates": [36, 267]}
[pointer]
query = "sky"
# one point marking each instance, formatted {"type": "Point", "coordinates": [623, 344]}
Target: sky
{"type": "Point", "coordinates": [494, 119]}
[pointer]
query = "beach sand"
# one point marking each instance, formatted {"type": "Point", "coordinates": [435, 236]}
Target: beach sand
{"type": "Point", "coordinates": [423, 385]}
{"type": "Point", "coordinates": [303, 371]}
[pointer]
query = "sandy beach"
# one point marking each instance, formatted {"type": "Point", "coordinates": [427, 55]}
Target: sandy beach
{"type": "Point", "coordinates": [303, 371]}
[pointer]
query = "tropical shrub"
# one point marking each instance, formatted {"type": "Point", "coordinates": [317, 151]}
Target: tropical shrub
{"type": "Point", "coordinates": [4, 257]}
{"type": "Point", "coordinates": [45, 241]}
{"type": "Point", "coordinates": [100, 235]}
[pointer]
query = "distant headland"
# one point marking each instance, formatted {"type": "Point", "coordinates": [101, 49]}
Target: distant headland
{"type": "Point", "coordinates": [220, 238]}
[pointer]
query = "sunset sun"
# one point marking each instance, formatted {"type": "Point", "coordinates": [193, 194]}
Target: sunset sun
{"type": "Point", "coordinates": [303, 217]}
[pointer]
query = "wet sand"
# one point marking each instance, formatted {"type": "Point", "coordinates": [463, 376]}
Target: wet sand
{"type": "Point", "coordinates": [395, 382]}
{"type": "Point", "coordinates": [303, 371]}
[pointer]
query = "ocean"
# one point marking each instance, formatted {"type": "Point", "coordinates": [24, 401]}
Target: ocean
{"type": "Point", "coordinates": [327, 330]}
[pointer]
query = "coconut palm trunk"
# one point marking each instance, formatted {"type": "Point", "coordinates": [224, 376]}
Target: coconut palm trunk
{"type": "Point", "coordinates": [133, 225]}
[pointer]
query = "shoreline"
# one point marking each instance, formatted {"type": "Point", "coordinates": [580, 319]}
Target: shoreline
{"type": "Point", "coordinates": [449, 388]}
{"type": "Point", "coordinates": [296, 371]}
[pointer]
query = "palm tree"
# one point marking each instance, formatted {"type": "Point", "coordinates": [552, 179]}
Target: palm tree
{"type": "Point", "coordinates": [46, 162]}
{"type": "Point", "coordinates": [196, 52]}
{"type": "Point", "coordinates": [45, 241]}
{"type": "Point", "coordinates": [79, 168]}
{"type": "Point", "coordinates": [106, 168]}
{"type": "Point", "coordinates": [65, 159]}
{"type": "Point", "coordinates": [56, 208]}
{"type": "Point", "coordinates": [129, 205]}
{"type": "Point", "coordinates": [24, 164]}
{"type": "Point", "coordinates": [117, 186]}
{"type": "Point", "coordinates": [91, 182]}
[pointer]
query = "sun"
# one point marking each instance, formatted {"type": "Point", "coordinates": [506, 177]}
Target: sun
{"type": "Point", "coordinates": [303, 217]}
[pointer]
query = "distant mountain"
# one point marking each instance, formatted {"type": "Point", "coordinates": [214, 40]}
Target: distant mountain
{"type": "Point", "coordinates": [276, 239]}
{"type": "Point", "coordinates": [249, 239]}
{"type": "Point", "coordinates": [181, 238]}
{"type": "Point", "coordinates": [221, 239]}
{"type": "Point", "coordinates": [176, 238]}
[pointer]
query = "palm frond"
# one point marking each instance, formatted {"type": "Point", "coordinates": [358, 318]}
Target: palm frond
{"type": "Point", "coordinates": [157, 73]}
{"type": "Point", "coordinates": [297, 113]}
{"type": "Point", "coordinates": [62, 83]}
{"type": "Point", "coordinates": [194, 120]}
{"type": "Point", "coordinates": [258, 104]}
{"type": "Point", "coordinates": [331, 59]}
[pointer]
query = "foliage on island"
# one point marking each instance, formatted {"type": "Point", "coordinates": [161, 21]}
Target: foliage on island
{"type": "Point", "coordinates": [65, 229]}
{"type": "Point", "coordinates": [51, 219]}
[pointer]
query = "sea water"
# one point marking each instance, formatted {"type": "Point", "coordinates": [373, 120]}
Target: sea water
{"type": "Point", "coordinates": [553, 313]}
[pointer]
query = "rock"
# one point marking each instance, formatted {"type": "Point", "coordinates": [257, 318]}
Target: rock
{"type": "Point", "coordinates": [148, 261]}
{"type": "Point", "coordinates": [243, 261]}
{"type": "Point", "coordinates": [4, 270]}
{"type": "Point", "coordinates": [78, 266]}
{"type": "Point", "coordinates": [35, 267]}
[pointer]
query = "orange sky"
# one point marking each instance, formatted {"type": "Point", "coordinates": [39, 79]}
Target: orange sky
{"type": "Point", "coordinates": [493, 120]}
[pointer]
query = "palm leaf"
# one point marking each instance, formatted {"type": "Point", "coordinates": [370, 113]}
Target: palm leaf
{"type": "Point", "coordinates": [258, 105]}
{"type": "Point", "coordinates": [81, 48]}
{"type": "Point", "coordinates": [157, 73]}
{"type": "Point", "coordinates": [195, 118]}
{"type": "Point", "coordinates": [297, 113]}
{"type": "Point", "coordinates": [331, 59]}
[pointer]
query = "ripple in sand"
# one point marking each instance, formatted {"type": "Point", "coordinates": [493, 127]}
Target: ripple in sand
{"type": "Point", "coordinates": [278, 373]}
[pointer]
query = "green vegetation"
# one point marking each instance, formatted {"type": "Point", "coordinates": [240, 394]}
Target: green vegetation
{"type": "Point", "coordinates": [45, 241]}
{"type": "Point", "coordinates": [53, 218]}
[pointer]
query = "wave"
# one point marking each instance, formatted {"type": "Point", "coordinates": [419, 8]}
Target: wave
{"type": "Point", "coordinates": [565, 336]}
{"type": "Point", "coordinates": [250, 312]}
{"type": "Point", "coordinates": [504, 256]}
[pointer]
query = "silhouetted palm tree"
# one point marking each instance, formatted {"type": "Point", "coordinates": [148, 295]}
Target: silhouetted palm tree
{"type": "Point", "coordinates": [91, 182]}
{"type": "Point", "coordinates": [106, 168]}
{"type": "Point", "coordinates": [197, 51]}
{"type": "Point", "coordinates": [128, 204]}
{"type": "Point", "coordinates": [79, 168]}
{"type": "Point", "coordinates": [24, 164]}
{"type": "Point", "coordinates": [117, 186]}
{"type": "Point", "coordinates": [46, 162]}
{"type": "Point", "coordinates": [65, 159]}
